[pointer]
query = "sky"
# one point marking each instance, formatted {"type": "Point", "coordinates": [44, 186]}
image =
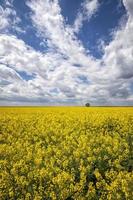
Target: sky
{"type": "Point", "coordinates": [66, 52]}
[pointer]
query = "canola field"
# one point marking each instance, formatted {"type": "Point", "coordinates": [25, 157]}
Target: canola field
{"type": "Point", "coordinates": [66, 153]}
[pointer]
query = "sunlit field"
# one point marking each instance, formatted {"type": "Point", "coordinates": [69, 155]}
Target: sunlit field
{"type": "Point", "coordinates": [66, 153]}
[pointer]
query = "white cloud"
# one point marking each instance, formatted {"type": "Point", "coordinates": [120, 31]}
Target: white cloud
{"type": "Point", "coordinates": [8, 18]}
{"type": "Point", "coordinates": [48, 15]}
{"type": "Point", "coordinates": [66, 73]}
{"type": "Point", "coordinates": [89, 9]}
{"type": "Point", "coordinates": [129, 7]}
{"type": "Point", "coordinates": [118, 55]}
{"type": "Point", "coordinates": [8, 75]}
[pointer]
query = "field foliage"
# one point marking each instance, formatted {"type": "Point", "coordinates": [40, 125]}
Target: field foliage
{"type": "Point", "coordinates": [66, 153]}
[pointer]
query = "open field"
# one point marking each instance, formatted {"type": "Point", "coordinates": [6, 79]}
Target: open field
{"type": "Point", "coordinates": [66, 153]}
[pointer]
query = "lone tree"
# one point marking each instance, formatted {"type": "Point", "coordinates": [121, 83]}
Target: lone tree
{"type": "Point", "coordinates": [87, 104]}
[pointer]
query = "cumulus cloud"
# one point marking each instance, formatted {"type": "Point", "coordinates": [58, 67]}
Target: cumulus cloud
{"type": "Point", "coordinates": [129, 7]}
{"type": "Point", "coordinates": [66, 73]}
{"type": "Point", "coordinates": [8, 18]}
{"type": "Point", "coordinates": [61, 38]}
{"type": "Point", "coordinates": [9, 74]}
{"type": "Point", "coordinates": [118, 57]}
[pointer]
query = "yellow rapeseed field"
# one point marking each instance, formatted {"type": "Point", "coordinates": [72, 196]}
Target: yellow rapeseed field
{"type": "Point", "coordinates": [66, 153]}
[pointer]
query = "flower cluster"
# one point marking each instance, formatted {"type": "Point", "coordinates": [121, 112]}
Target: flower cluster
{"type": "Point", "coordinates": [66, 153]}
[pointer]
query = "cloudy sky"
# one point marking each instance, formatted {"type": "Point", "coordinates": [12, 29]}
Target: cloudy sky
{"type": "Point", "coordinates": [66, 52]}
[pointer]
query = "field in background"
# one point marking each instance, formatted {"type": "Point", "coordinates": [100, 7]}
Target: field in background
{"type": "Point", "coordinates": [66, 153]}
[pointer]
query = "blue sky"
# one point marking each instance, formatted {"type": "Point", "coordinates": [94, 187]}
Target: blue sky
{"type": "Point", "coordinates": [66, 52]}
